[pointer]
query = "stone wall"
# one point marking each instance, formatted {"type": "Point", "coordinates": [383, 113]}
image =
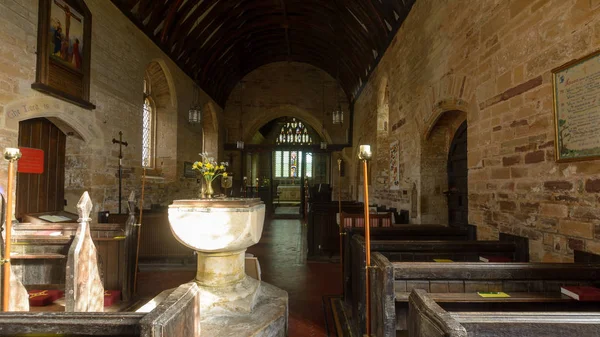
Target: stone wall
{"type": "Point", "coordinates": [489, 62]}
{"type": "Point", "coordinates": [120, 56]}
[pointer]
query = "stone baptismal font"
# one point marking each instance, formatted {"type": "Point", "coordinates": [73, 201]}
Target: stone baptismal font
{"type": "Point", "coordinates": [231, 303]}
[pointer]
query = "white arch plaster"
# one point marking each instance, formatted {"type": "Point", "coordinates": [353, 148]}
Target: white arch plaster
{"type": "Point", "coordinates": [291, 111]}
{"type": "Point", "coordinates": [67, 117]}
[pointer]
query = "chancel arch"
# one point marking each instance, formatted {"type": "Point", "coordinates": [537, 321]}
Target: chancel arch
{"type": "Point", "coordinates": [268, 115]}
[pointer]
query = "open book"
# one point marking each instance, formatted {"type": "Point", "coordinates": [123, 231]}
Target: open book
{"type": "Point", "coordinates": [55, 218]}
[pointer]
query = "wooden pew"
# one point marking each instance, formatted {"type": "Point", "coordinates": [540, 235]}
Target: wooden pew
{"type": "Point", "coordinates": [410, 251]}
{"type": "Point", "coordinates": [428, 319]}
{"type": "Point", "coordinates": [175, 316]}
{"type": "Point", "coordinates": [392, 282]}
{"type": "Point", "coordinates": [402, 232]}
{"type": "Point", "coordinates": [323, 233]}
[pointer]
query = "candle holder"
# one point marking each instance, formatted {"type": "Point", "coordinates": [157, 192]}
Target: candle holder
{"type": "Point", "coordinates": [341, 225]}
{"type": "Point", "coordinates": [365, 154]}
{"type": "Point", "coordinates": [12, 155]}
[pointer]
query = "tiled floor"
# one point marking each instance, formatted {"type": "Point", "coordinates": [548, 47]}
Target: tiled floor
{"type": "Point", "coordinates": [283, 264]}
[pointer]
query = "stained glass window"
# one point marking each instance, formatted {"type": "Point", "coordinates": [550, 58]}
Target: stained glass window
{"type": "Point", "coordinates": [288, 164]}
{"type": "Point", "coordinates": [294, 132]}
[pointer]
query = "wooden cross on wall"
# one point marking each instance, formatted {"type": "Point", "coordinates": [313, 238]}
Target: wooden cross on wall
{"type": "Point", "coordinates": [121, 143]}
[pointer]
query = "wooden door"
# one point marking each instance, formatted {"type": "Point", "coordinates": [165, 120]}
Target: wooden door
{"type": "Point", "coordinates": [458, 207]}
{"type": "Point", "coordinates": [42, 192]}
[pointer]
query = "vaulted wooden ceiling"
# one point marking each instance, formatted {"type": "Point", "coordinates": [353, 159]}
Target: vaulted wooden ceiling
{"type": "Point", "coordinates": [218, 42]}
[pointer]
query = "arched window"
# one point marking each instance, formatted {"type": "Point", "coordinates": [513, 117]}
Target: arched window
{"type": "Point", "coordinates": [295, 133]}
{"type": "Point", "coordinates": [148, 118]}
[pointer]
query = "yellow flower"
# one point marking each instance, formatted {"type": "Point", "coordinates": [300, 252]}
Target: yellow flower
{"type": "Point", "coordinates": [224, 174]}
{"type": "Point", "coordinates": [209, 166]}
{"type": "Point", "coordinates": [221, 167]}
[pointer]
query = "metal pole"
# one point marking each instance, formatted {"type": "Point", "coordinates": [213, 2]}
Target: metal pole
{"type": "Point", "coordinates": [137, 251]}
{"type": "Point", "coordinates": [120, 182]}
{"type": "Point", "coordinates": [12, 155]}
{"type": "Point", "coordinates": [365, 155]}
{"type": "Point", "coordinates": [341, 225]}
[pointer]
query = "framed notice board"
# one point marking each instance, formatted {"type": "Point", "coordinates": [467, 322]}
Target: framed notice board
{"type": "Point", "coordinates": [576, 87]}
{"type": "Point", "coordinates": [188, 172]}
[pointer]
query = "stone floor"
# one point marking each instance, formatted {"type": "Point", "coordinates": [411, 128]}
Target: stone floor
{"type": "Point", "coordinates": [282, 255]}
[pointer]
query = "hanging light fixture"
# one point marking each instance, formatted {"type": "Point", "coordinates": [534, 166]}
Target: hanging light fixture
{"type": "Point", "coordinates": [240, 143]}
{"type": "Point", "coordinates": [323, 142]}
{"type": "Point", "coordinates": [338, 114]}
{"type": "Point", "coordinates": [195, 111]}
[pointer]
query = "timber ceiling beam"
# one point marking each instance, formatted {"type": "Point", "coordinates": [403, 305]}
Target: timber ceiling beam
{"type": "Point", "coordinates": [217, 42]}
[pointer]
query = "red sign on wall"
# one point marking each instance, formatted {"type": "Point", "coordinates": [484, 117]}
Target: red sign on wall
{"type": "Point", "coordinates": [32, 161]}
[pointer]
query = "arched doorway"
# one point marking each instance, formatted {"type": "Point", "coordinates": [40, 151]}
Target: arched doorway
{"type": "Point", "coordinates": [458, 193]}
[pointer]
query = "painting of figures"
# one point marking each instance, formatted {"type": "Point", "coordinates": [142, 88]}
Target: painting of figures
{"type": "Point", "coordinates": [66, 34]}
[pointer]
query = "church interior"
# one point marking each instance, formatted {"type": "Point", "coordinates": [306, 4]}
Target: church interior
{"type": "Point", "coordinates": [300, 168]}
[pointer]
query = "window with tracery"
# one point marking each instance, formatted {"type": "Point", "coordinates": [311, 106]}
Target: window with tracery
{"type": "Point", "coordinates": [147, 128]}
{"type": "Point", "coordinates": [288, 164]}
{"type": "Point", "coordinates": [295, 133]}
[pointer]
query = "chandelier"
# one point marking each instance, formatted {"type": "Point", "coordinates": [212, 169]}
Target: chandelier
{"type": "Point", "coordinates": [338, 115]}
{"type": "Point", "coordinates": [323, 142]}
{"type": "Point", "coordinates": [240, 143]}
{"type": "Point", "coordinates": [195, 111]}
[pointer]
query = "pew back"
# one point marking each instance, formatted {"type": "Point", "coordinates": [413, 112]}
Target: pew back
{"type": "Point", "coordinates": [403, 232]}
{"type": "Point", "coordinates": [175, 316]}
{"type": "Point", "coordinates": [411, 251]}
{"type": "Point", "coordinates": [466, 277]}
{"type": "Point", "coordinates": [323, 232]}
{"type": "Point", "coordinates": [427, 318]}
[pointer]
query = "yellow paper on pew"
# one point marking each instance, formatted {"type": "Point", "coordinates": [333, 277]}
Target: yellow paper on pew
{"type": "Point", "coordinates": [495, 294]}
{"type": "Point", "coordinates": [442, 260]}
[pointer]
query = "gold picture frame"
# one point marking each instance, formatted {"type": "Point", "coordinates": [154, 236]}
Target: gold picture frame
{"type": "Point", "coordinates": [63, 51]}
{"type": "Point", "coordinates": [576, 93]}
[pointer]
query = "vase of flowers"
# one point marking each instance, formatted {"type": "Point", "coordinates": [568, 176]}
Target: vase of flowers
{"type": "Point", "coordinates": [210, 169]}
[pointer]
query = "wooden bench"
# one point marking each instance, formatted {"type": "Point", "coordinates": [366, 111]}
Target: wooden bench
{"type": "Point", "coordinates": [323, 232]}
{"type": "Point", "coordinates": [428, 319]}
{"type": "Point", "coordinates": [410, 251]}
{"type": "Point", "coordinates": [175, 314]}
{"type": "Point", "coordinates": [402, 232]}
{"type": "Point", "coordinates": [391, 282]}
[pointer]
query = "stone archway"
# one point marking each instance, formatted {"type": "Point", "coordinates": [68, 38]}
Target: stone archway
{"type": "Point", "coordinates": [286, 111]}
{"type": "Point", "coordinates": [434, 160]}
{"type": "Point", "coordinates": [70, 119]}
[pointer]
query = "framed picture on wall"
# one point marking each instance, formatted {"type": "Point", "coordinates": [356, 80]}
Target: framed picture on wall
{"type": "Point", "coordinates": [576, 87]}
{"type": "Point", "coordinates": [63, 51]}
